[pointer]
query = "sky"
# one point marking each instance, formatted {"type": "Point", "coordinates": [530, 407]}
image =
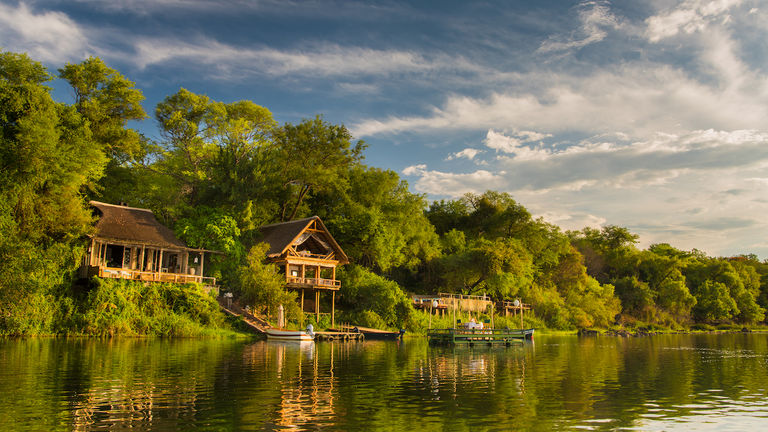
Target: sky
{"type": "Point", "coordinates": [651, 115]}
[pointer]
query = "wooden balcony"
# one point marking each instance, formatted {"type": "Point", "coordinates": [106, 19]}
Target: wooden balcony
{"type": "Point", "coordinates": [119, 273]}
{"type": "Point", "coordinates": [300, 282]}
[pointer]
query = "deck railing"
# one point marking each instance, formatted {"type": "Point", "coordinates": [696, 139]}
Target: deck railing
{"type": "Point", "coordinates": [330, 283]}
{"type": "Point", "coordinates": [119, 273]}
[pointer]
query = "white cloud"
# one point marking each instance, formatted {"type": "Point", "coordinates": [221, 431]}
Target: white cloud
{"type": "Point", "coordinates": [691, 16]}
{"type": "Point", "coordinates": [514, 145]}
{"type": "Point", "coordinates": [46, 36]}
{"type": "Point", "coordinates": [316, 60]}
{"type": "Point", "coordinates": [595, 17]}
{"type": "Point", "coordinates": [437, 183]}
{"type": "Point", "coordinates": [671, 188]}
{"type": "Point", "coordinates": [468, 153]}
{"type": "Point", "coordinates": [635, 99]}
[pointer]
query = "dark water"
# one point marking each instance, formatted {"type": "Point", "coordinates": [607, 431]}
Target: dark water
{"type": "Point", "coordinates": [680, 382]}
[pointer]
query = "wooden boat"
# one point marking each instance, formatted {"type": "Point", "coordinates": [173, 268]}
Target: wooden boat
{"type": "Point", "coordinates": [306, 335]}
{"type": "Point", "coordinates": [376, 334]}
{"type": "Point", "coordinates": [479, 336]}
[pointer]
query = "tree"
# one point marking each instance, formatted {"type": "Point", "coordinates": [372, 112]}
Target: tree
{"type": "Point", "coordinates": [108, 100]}
{"type": "Point", "coordinates": [381, 224]}
{"type": "Point", "coordinates": [47, 154]}
{"type": "Point", "coordinates": [315, 156]}
{"type": "Point", "coordinates": [262, 285]}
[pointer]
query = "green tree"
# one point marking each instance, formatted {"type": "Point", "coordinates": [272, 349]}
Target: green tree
{"type": "Point", "coordinates": [47, 155]}
{"type": "Point", "coordinates": [315, 156]}
{"type": "Point", "coordinates": [380, 223]}
{"type": "Point", "coordinates": [262, 286]}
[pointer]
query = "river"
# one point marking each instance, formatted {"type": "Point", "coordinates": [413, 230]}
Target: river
{"type": "Point", "coordinates": [670, 382]}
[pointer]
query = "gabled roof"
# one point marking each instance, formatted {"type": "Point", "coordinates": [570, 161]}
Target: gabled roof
{"type": "Point", "coordinates": [282, 235]}
{"type": "Point", "coordinates": [134, 225]}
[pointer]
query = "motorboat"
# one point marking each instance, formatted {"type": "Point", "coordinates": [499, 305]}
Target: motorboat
{"type": "Point", "coordinates": [305, 335]}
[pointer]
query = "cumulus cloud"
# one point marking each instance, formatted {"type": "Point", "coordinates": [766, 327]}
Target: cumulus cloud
{"type": "Point", "coordinates": [595, 18]}
{"type": "Point", "coordinates": [691, 16]}
{"type": "Point", "coordinates": [468, 153]}
{"type": "Point", "coordinates": [660, 180]}
{"type": "Point", "coordinates": [47, 36]}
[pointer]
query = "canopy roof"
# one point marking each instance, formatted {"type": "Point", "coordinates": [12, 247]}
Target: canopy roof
{"type": "Point", "coordinates": [281, 236]}
{"type": "Point", "coordinates": [133, 225]}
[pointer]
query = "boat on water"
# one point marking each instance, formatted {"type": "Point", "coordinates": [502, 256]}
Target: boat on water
{"type": "Point", "coordinates": [370, 333]}
{"type": "Point", "coordinates": [473, 336]}
{"type": "Point", "coordinates": [376, 334]}
{"type": "Point", "coordinates": [306, 335]}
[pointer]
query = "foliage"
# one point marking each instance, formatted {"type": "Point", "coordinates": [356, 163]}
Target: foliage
{"type": "Point", "coordinates": [221, 170]}
{"type": "Point", "coordinates": [374, 299]}
{"type": "Point", "coordinates": [260, 284]}
{"type": "Point", "coordinates": [128, 308]}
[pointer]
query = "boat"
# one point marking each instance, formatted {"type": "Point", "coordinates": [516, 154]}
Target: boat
{"type": "Point", "coordinates": [376, 334]}
{"type": "Point", "coordinates": [474, 336]}
{"type": "Point", "coordinates": [306, 335]}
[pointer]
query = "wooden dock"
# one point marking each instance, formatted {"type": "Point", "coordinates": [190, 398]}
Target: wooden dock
{"type": "Point", "coordinates": [473, 337]}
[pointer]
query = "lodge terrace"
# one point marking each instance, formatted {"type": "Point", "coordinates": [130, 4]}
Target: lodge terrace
{"type": "Point", "coordinates": [130, 243]}
{"type": "Point", "coordinates": [307, 254]}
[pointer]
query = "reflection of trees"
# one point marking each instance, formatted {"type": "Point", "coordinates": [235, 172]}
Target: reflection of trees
{"type": "Point", "coordinates": [80, 384]}
{"type": "Point", "coordinates": [559, 383]}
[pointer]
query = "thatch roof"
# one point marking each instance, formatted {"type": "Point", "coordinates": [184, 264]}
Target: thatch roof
{"type": "Point", "coordinates": [280, 236]}
{"type": "Point", "coordinates": [133, 225]}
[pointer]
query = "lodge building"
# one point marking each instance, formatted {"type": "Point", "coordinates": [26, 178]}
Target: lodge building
{"type": "Point", "coordinates": [308, 255]}
{"type": "Point", "coordinates": [129, 243]}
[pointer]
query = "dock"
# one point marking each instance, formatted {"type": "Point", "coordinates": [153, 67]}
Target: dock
{"type": "Point", "coordinates": [473, 337]}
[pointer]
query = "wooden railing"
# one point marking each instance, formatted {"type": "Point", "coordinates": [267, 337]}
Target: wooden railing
{"type": "Point", "coordinates": [118, 273]}
{"type": "Point", "coordinates": [330, 283]}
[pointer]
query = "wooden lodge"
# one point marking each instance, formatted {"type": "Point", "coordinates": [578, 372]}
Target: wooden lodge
{"type": "Point", "coordinates": [308, 255]}
{"type": "Point", "coordinates": [130, 243]}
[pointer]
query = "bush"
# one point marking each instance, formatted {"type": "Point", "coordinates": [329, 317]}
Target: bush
{"type": "Point", "coordinates": [121, 307]}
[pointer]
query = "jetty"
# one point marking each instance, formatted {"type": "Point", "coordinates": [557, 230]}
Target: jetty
{"type": "Point", "coordinates": [472, 337]}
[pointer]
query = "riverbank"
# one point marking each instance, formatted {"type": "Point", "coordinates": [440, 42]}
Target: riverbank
{"type": "Point", "coordinates": [117, 307]}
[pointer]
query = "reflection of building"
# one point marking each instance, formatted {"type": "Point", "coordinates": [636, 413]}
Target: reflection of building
{"type": "Point", "coordinates": [308, 255]}
{"type": "Point", "coordinates": [130, 243]}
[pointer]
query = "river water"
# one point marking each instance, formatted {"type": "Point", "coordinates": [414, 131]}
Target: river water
{"type": "Point", "coordinates": [676, 382]}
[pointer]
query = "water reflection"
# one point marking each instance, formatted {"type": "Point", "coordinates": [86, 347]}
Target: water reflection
{"type": "Point", "coordinates": [697, 382]}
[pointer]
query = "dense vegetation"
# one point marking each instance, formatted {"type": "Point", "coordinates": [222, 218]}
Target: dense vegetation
{"type": "Point", "coordinates": [221, 170]}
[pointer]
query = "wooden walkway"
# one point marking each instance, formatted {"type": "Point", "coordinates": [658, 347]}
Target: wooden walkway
{"type": "Point", "coordinates": [255, 324]}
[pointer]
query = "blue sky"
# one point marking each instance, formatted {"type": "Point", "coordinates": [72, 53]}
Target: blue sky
{"type": "Point", "coordinates": [651, 115]}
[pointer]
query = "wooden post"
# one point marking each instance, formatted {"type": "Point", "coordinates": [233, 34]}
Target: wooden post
{"type": "Point", "coordinates": [493, 307]}
{"type": "Point", "coordinates": [90, 255]}
{"type": "Point", "coordinates": [454, 312]}
{"type": "Point", "coordinates": [141, 258]}
{"type": "Point", "coordinates": [521, 315]}
{"type": "Point", "coordinates": [302, 300]}
{"type": "Point", "coordinates": [317, 306]}
{"type": "Point", "coordinates": [430, 316]}
{"type": "Point", "coordinates": [333, 308]}
{"type": "Point", "coordinates": [202, 263]}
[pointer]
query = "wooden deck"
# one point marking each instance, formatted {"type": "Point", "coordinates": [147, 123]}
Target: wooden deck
{"type": "Point", "coordinates": [120, 273]}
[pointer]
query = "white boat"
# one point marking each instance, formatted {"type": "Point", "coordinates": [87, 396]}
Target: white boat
{"type": "Point", "coordinates": [292, 335]}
